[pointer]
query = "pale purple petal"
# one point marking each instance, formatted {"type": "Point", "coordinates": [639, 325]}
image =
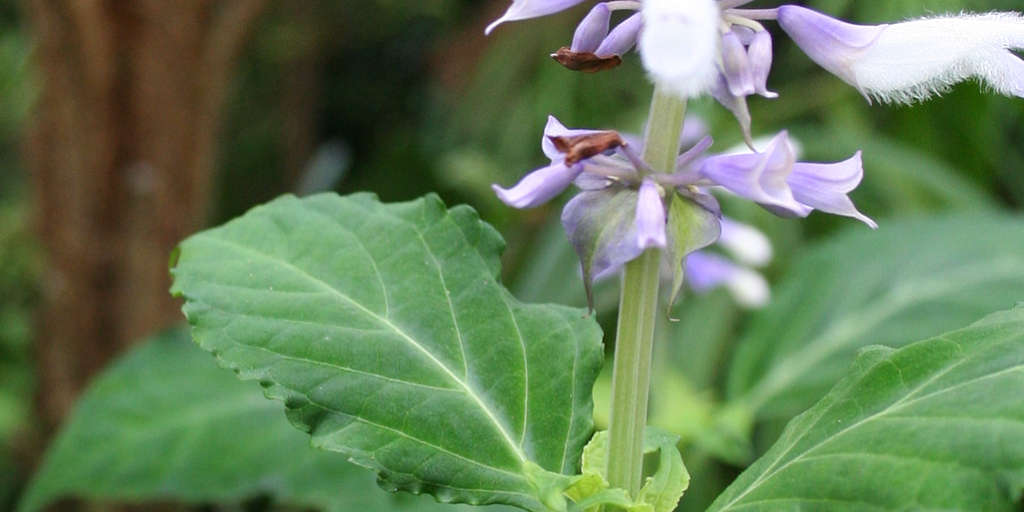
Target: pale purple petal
{"type": "Point", "coordinates": [525, 9]}
{"type": "Point", "coordinates": [825, 186]}
{"type": "Point", "coordinates": [622, 37]}
{"type": "Point", "coordinates": [760, 177]}
{"type": "Point", "coordinates": [539, 186]}
{"type": "Point", "coordinates": [760, 54]}
{"type": "Point", "coordinates": [705, 271]}
{"type": "Point", "coordinates": [736, 65]}
{"type": "Point", "coordinates": [592, 30]}
{"type": "Point", "coordinates": [833, 44]}
{"type": "Point", "coordinates": [650, 216]}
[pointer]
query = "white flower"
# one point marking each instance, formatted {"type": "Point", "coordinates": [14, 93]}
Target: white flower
{"type": "Point", "coordinates": [679, 44]}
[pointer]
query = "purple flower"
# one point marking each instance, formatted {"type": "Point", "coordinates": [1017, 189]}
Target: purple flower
{"type": "Point", "coordinates": [592, 30]}
{"type": "Point", "coordinates": [539, 186]}
{"type": "Point", "coordinates": [736, 65]}
{"type": "Point", "coordinates": [526, 9]}
{"type": "Point", "coordinates": [623, 209]}
{"type": "Point", "coordinates": [546, 183]}
{"type": "Point", "coordinates": [775, 180]}
{"type": "Point", "coordinates": [824, 187]}
{"type": "Point", "coordinates": [650, 216]}
{"type": "Point", "coordinates": [595, 48]}
{"type": "Point", "coordinates": [760, 177]}
{"type": "Point", "coordinates": [622, 37]}
{"type": "Point", "coordinates": [909, 61]}
{"type": "Point", "coordinates": [759, 52]}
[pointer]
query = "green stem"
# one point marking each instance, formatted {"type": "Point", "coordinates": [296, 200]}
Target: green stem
{"type": "Point", "coordinates": [634, 345]}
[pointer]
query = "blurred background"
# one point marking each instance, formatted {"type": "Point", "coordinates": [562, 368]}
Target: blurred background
{"type": "Point", "coordinates": [126, 126]}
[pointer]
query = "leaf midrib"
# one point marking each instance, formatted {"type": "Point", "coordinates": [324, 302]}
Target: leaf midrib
{"type": "Point", "coordinates": [462, 346]}
{"type": "Point", "coordinates": [318, 282]}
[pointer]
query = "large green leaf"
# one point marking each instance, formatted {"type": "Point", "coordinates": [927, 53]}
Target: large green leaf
{"type": "Point", "coordinates": [385, 332]}
{"type": "Point", "coordinates": [908, 281]}
{"type": "Point", "coordinates": [936, 425]}
{"type": "Point", "coordinates": [164, 423]}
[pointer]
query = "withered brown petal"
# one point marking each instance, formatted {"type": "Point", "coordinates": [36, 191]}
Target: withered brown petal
{"type": "Point", "coordinates": [585, 62]}
{"type": "Point", "coordinates": [582, 147]}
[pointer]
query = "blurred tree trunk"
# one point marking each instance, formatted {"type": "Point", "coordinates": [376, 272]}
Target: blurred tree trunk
{"type": "Point", "coordinates": [121, 151]}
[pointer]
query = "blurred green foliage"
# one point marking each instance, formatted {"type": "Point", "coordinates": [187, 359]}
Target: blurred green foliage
{"type": "Point", "coordinates": [19, 264]}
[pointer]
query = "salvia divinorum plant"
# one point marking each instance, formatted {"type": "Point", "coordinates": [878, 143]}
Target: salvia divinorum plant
{"type": "Point", "coordinates": [387, 334]}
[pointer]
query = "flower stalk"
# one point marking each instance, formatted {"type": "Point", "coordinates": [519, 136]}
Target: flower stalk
{"type": "Point", "coordinates": [631, 373]}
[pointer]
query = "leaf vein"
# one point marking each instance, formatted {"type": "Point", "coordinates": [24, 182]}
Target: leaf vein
{"type": "Point", "coordinates": [772, 470]}
{"type": "Point", "coordinates": [411, 341]}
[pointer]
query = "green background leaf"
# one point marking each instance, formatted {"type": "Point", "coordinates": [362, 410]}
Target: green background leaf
{"type": "Point", "coordinates": [165, 423]}
{"type": "Point", "coordinates": [385, 332]}
{"type": "Point", "coordinates": [908, 281]}
{"type": "Point", "coordinates": [936, 425]}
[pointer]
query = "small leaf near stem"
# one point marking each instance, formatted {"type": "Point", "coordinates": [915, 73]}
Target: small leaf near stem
{"type": "Point", "coordinates": [660, 493]}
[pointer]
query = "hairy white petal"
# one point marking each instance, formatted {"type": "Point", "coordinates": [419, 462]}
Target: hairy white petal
{"type": "Point", "coordinates": [679, 44]}
{"type": "Point", "coordinates": [916, 59]}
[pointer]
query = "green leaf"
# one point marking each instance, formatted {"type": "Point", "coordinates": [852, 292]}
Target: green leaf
{"type": "Point", "coordinates": [907, 281]}
{"type": "Point", "coordinates": [601, 225]}
{"type": "Point", "coordinates": [663, 489]}
{"type": "Point", "coordinates": [936, 425]}
{"type": "Point", "coordinates": [386, 334]}
{"type": "Point", "coordinates": [595, 462]}
{"type": "Point", "coordinates": [165, 424]}
{"type": "Point", "coordinates": [687, 231]}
